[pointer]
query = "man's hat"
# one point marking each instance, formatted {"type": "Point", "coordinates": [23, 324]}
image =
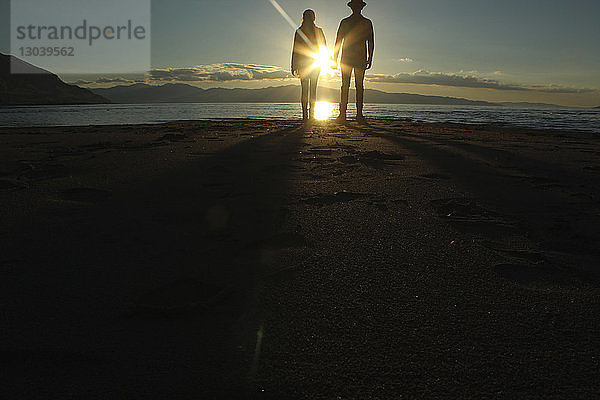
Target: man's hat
{"type": "Point", "coordinates": [356, 3]}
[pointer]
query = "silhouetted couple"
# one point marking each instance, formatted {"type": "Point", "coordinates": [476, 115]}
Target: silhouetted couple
{"type": "Point", "coordinates": [356, 41]}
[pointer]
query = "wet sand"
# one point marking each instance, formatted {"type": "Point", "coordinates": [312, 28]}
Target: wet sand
{"type": "Point", "coordinates": [263, 259]}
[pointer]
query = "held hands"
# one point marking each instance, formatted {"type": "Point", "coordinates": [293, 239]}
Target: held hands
{"type": "Point", "coordinates": [332, 63]}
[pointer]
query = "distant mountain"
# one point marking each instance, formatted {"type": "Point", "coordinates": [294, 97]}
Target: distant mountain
{"type": "Point", "coordinates": [529, 105]}
{"type": "Point", "coordinates": [39, 87]}
{"type": "Point", "coordinates": [182, 93]}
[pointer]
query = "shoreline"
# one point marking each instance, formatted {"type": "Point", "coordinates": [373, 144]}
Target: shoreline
{"type": "Point", "coordinates": [584, 120]}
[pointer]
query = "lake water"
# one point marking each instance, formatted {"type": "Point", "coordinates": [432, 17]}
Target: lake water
{"type": "Point", "coordinates": [117, 114]}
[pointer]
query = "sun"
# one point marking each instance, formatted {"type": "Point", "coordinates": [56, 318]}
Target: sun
{"type": "Point", "coordinates": [323, 110]}
{"type": "Point", "coordinates": [324, 60]}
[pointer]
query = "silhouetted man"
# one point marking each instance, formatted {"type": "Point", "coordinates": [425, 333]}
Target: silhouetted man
{"type": "Point", "coordinates": [354, 36]}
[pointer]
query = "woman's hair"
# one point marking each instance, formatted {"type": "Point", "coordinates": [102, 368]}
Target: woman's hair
{"type": "Point", "coordinates": [308, 24]}
{"type": "Point", "coordinates": [308, 18]}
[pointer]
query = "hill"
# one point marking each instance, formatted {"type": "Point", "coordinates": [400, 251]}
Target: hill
{"type": "Point", "coordinates": [529, 105]}
{"type": "Point", "coordinates": [183, 93]}
{"type": "Point", "coordinates": [39, 87]}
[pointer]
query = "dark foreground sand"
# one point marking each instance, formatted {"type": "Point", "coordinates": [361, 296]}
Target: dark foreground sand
{"type": "Point", "coordinates": [271, 260]}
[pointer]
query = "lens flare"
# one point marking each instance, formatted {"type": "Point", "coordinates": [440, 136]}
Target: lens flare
{"type": "Point", "coordinates": [288, 19]}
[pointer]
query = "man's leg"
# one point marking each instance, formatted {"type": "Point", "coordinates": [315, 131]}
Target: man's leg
{"type": "Point", "coordinates": [314, 79]}
{"type": "Point", "coordinates": [346, 75]}
{"type": "Point", "coordinates": [359, 78]}
{"type": "Point", "coordinates": [304, 82]}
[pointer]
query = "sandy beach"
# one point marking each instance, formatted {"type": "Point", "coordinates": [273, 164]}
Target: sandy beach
{"type": "Point", "coordinates": [262, 259]}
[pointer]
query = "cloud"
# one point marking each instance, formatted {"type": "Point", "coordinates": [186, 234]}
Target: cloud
{"type": "Point", "coordinates": [104, 81]}
{"type": "Point", "coordinates": [560, 89]}
{"type": "Point", "coordinates": [468, 80]}
{"type": "Point", "coordinates": [202, 73]}
{"type": "Point", "coordinates": [224, 72]}
{"type": "Point", "coordinates": [405, 59]}
{"type": "Point", "coordinates": [219, 73]}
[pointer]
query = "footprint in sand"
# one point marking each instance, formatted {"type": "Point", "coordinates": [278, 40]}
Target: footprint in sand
{"type": "Point", "coordinates": [469, 215]}
{"type": "Point", "coordinates": [348, 160]}
{"type": "Point", "coordinates": [458, 207]}
{"type": "Point", "coordinates": [316, 160]}
{"type": "Point", "coordinates": [173, 137]}
{"type": "Point", "coordinates": [384, 205]}
{"type": "Point", "coordinates": [380, 204]}
{"type": "Point", "coordinates": [328, 171]}
{"type": "Point", "coordinates": [400, 202]}
{"type": "Point", "coordinates": [322, 151]}
{"type": "Point", "coordinates": [327, 199]}
{"type": "Point", "coordinates": [377, 159]}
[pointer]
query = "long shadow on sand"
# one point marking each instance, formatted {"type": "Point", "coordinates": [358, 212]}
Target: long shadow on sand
{"type": "Point", "coordinates": [562, 229]}
{"type": "Point", "coordinates": [151, 292]}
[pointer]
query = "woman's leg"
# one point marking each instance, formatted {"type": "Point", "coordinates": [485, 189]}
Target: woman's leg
{"type": "Point", "coordinates": [305, 83]}
{"type": "Point", "coordinates": [314, 80]}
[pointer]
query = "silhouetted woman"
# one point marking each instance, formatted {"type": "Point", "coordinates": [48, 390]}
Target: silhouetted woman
{"type": "Point", "coordinates": [305, 63]}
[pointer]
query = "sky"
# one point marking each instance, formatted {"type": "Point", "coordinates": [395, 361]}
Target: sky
{"type": "Point", "coordinates": [525, 50]}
